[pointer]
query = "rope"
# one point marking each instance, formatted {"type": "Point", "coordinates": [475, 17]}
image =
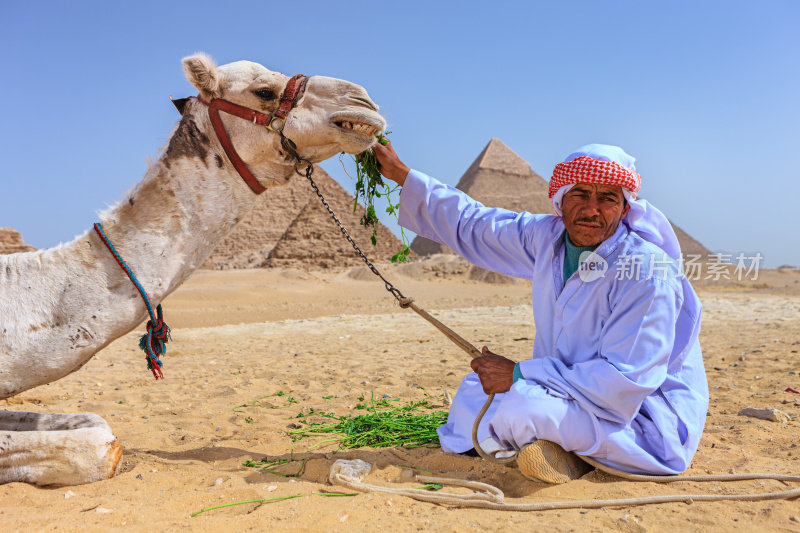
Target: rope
{"type": "Point", "coordinates": [490, 497]}
{"type": "Point", "coordinates": [493, 498]}
{"type": "Point", "coordinates": [389, 287]}
{"type": "Point", "coordinates": [153, 343]}
{"type": "Point", "coordinates": [404, 301]}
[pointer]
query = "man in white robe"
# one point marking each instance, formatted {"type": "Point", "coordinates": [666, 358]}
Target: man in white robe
{"type": "Point", "coordinates": [617, 372]}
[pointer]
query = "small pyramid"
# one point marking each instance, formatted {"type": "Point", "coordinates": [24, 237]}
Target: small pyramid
{"type": "Point", "coordinates": [250, 242]}
{"type": "Point", "coordinates": [500, 178]}
{"type": "Point", "coordinates": [497, 178]}
{"type": "Point", "coordinates": [313, 238]}
{"type": "Point", "coordinates": [689, 245]}
{"type": "Point", "coordinates": [293, 216]}
{"type": "Point", "coordinates": [11, 242]}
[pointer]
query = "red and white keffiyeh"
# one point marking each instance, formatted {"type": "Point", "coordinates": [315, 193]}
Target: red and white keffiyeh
{"type": "Point", "coordinates": [585, 169]}
{"type": "Point", "coordinates": [603, 163]}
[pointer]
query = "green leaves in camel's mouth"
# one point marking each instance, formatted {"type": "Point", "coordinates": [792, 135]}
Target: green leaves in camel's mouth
{"type": "Point", "coordinates": [370, 185]}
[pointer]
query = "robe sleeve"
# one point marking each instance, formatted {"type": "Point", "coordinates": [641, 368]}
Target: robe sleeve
{"type": "Point", "coordinates": [492, 238]}
{"type": "Point", "coordinates": [632, 357]}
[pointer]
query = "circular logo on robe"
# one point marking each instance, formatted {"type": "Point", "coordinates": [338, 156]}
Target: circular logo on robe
{"type": "Point", "coordinates": [592, 267]}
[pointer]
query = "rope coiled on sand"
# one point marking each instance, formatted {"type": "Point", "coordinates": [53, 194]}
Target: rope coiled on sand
{"type": "Point", "coordinates": [351, 473]}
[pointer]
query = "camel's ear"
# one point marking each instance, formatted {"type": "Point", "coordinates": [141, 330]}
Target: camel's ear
{"type": "Point", "coordinates": [201, 71]}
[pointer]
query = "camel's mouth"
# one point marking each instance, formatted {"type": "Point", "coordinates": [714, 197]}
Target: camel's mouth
{"type": "Point", "coordinates": [362, 128]}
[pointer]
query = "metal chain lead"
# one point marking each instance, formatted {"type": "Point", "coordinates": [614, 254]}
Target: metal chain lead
{"type": "Point", "coordinates": [404, 302]}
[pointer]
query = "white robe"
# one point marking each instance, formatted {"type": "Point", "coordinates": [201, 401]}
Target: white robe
{"type": "Point", "coordinates": [617, 372]}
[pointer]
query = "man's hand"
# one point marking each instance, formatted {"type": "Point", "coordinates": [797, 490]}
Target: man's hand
{"type": "Point", "coordinates": [495, 371]}
{"type": "Point", "coordinates": [390, 164]}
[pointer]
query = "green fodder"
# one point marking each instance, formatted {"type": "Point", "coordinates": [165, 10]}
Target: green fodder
{"type": "Point", "coordinates": [411, 426]}
{"type": "Point", "coordinates": [370, 185]}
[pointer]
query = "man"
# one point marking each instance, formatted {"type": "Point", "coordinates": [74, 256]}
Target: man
{"type": "Point", "coordinates": [617, 372]}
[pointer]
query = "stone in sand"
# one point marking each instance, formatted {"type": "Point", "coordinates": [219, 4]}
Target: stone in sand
{"type": "Point", "coordinates": [773, 415]}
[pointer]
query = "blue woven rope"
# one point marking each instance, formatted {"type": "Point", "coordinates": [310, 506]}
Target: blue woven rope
{"type": "Point", "coordinates": [127, 269]}
{"type": "Point", "coordinates": [157, 323]}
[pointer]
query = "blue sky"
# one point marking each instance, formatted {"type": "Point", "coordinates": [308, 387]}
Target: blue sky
{"type": "Point", "coordinates": [704, 94]}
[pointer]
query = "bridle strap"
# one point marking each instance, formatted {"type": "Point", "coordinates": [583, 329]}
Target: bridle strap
{"type": "Point", "coordinates": [291, 94]}
{"type": "Point", "coordinates": [219, 128]}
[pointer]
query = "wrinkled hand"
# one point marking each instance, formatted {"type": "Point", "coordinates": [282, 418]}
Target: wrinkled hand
{"type": "Point", "coordinates": [495, 371]}
{"type": "Point", "coordinates": [390, 164]}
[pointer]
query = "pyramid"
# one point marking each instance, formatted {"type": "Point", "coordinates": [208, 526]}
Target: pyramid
{"type": "Point", "coordinates": [501, 178]}
{"type": "Point", "coordinates": [11, 242]}
{"type": "Point", "coordinates": [497, 178]}
{"type": "Point", "coordinates": [289, 227]}
{"type": "Point", "coordinates": [689, 245]}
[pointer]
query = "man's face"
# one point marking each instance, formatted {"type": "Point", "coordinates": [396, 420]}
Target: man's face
{"type": "Point", "coordinates": [592, 212]}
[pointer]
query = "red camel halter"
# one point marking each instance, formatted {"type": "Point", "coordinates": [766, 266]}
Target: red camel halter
{"type": "Point", "coordinates": [274, 122]}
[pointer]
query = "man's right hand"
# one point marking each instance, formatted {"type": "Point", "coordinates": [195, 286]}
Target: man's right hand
{"type": "Point", "coordinates": [390, 165]}
{"type": "Point", "coordinates": [495, 371]}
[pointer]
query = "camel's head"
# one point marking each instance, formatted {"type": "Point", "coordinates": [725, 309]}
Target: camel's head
{"type": "Point", "coordinates": [330, 116]}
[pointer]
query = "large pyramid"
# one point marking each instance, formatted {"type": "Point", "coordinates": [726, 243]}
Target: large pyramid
{"type": "Point", "coordinates": [289, 227]}
{"type": "Point", "coordinates": [497, 178]}
{"type": "Point", "coordinates": [11, 242]}
{"type": "Point", "coordinates": [501, 178]}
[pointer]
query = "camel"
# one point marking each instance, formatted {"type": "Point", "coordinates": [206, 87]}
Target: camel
{"type": "Point", "coordinates": [59, 307]}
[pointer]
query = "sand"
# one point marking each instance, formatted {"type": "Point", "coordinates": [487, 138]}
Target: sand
{"type": "Point", "coordinates": [326, 338]}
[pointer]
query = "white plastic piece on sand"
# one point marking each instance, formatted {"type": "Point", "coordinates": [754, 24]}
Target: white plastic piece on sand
{"type": "Point", "coordinates": [353, 470]}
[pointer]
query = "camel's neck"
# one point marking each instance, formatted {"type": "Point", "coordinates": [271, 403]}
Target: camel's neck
{"type": "Point", "coordinates": [186, 204]}
{"type": "Point", "coordinates": [58, 307]}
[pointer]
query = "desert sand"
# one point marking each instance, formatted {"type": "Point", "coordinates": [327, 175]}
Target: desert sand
{"type": "Point", "coordinates": [328, 337]}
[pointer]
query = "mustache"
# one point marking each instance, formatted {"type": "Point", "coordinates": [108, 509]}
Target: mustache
{"type": "Point", "coordinates": [589, 220]}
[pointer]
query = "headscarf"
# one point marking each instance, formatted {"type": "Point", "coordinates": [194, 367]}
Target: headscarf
{"type": "Point", "coordinates": [606, 164]}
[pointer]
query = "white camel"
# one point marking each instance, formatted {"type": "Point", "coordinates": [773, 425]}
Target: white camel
{"type": "Point", "coordinates": [59, 307]}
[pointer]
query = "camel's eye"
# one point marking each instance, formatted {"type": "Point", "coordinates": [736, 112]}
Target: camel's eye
{"type": "Point", "coordinates": [265, 94]}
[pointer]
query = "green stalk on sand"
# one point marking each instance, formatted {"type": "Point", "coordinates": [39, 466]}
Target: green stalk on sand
{"type": "Point", "coordinates": [244, 502]}
{"type": "Point", "coordinates": [265, 465]}
{"type": "Point", "coordinates": [262, 500]}
{"type": "Point", "coordinates": [258, 402]}
{"type": "Point", "coordinates": [417, 469]}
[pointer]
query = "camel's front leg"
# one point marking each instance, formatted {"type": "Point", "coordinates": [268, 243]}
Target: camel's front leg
{"type": "Point", "coordinates": [56, 449]}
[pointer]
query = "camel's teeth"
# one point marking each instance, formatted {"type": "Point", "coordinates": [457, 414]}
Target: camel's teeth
{"type": "Point", "coordinates": [359, 127]}
{"type": "Point", "coordinates": [366, 129]}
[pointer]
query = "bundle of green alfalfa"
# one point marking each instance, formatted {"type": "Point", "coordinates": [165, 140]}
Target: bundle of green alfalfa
{"type": "Point", "coordinates": [370, 185]}
{"type": "Point", "coordinates": [385, 423]}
